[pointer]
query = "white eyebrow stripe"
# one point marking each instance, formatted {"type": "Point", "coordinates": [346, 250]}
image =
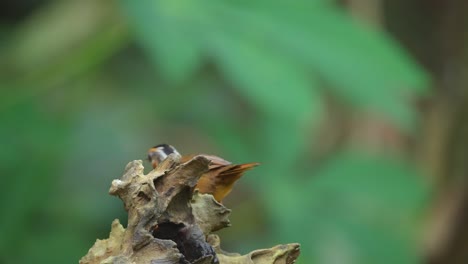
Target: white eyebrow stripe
{"type": "Point", "coordinates": [160, 154]}
{"type": "Point", "coordinates": [175, 151]}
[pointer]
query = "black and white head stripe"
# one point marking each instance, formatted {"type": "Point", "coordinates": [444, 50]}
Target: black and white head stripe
{"type": "Point", "coordinates": [161, 151]}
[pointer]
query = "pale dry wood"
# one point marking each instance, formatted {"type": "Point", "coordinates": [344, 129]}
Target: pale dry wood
{"type": "Point", "coordinates": [169, 222]}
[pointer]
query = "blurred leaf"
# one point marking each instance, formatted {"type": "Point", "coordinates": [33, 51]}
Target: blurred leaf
{"type": "Point", "coordinates": [365, 67]}
{"type": "Point", "coordinates": [31, 151]}
{"type": "Point", "coordinates": [270, 80]}
{"type": "Point", "coordinates": [171, 43]}
{"type": "Point", "coordinates": [264, 45]}
{"type": "Point", "coordinates": [40, 246]}
{"type": "Point", "coordinates": [44, 37]}
{"type": "Point", "coordinates": [370, 204]}
{"type": "Point", "coordinates": [45, 52]}
{"type": "Point", "coordinates": [258, 71]}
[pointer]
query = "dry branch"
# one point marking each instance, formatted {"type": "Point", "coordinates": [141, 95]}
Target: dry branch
{"type": "Point", "coordinates": [170, 222]}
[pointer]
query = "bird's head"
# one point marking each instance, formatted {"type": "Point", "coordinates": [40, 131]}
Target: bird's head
{"type": "Point", "coordinates": [159, 153]}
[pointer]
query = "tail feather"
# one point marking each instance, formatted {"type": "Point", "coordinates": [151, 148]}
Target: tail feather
{"type": "Point", "coordinates": [241, 168]}
{"type": "Point", "coordinates": [234, 172]}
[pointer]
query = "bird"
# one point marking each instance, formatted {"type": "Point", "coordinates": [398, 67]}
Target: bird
{"type": "Point", "coordinates": [217, 181]}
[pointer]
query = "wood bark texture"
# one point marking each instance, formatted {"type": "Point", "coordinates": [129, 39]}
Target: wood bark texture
{"type": "Point", "coordinates": [171, 222]}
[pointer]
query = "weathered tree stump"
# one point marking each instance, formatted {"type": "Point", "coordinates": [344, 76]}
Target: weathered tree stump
{"type": "Point", "coordinates": [170, 222]}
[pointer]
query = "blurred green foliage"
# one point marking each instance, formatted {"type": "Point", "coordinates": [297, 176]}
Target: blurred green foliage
{"type": "Point", "coordinates": [247, 80]}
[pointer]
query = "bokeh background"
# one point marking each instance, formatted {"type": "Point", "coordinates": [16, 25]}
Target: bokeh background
{"type": "Point", "coordinates": [356, 109]}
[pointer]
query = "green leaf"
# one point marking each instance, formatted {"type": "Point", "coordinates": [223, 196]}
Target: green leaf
{"type": "Point", "coordinates": [274, 84]}
{"type": "Point", "coordinates": [365, 67]}
{"type": "Point", "coordinates": [167, 34]}
{"type": "Point", "coordinates": [263, 46]}
{"type": "Point", "coordinates": [368, 205]}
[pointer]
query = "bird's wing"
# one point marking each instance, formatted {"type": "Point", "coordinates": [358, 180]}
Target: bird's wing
{"type": "Point", "coordinates": [220, 180]}
{"type": "Point", "coordinates": [230, 174]}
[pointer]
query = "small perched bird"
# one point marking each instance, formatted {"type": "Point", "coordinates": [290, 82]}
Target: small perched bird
{"type": "Point", "coordinates": [217, 181]}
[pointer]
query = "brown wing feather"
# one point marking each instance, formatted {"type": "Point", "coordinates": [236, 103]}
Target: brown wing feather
{"type": "Point", "coordinates": [220, 180]}
{"type": "Point", "coordinates": [221, 176]}
{"type": "Point", "coordinates": [234, 172]}
{"type": "Point", "coordinates": [216, 161]}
